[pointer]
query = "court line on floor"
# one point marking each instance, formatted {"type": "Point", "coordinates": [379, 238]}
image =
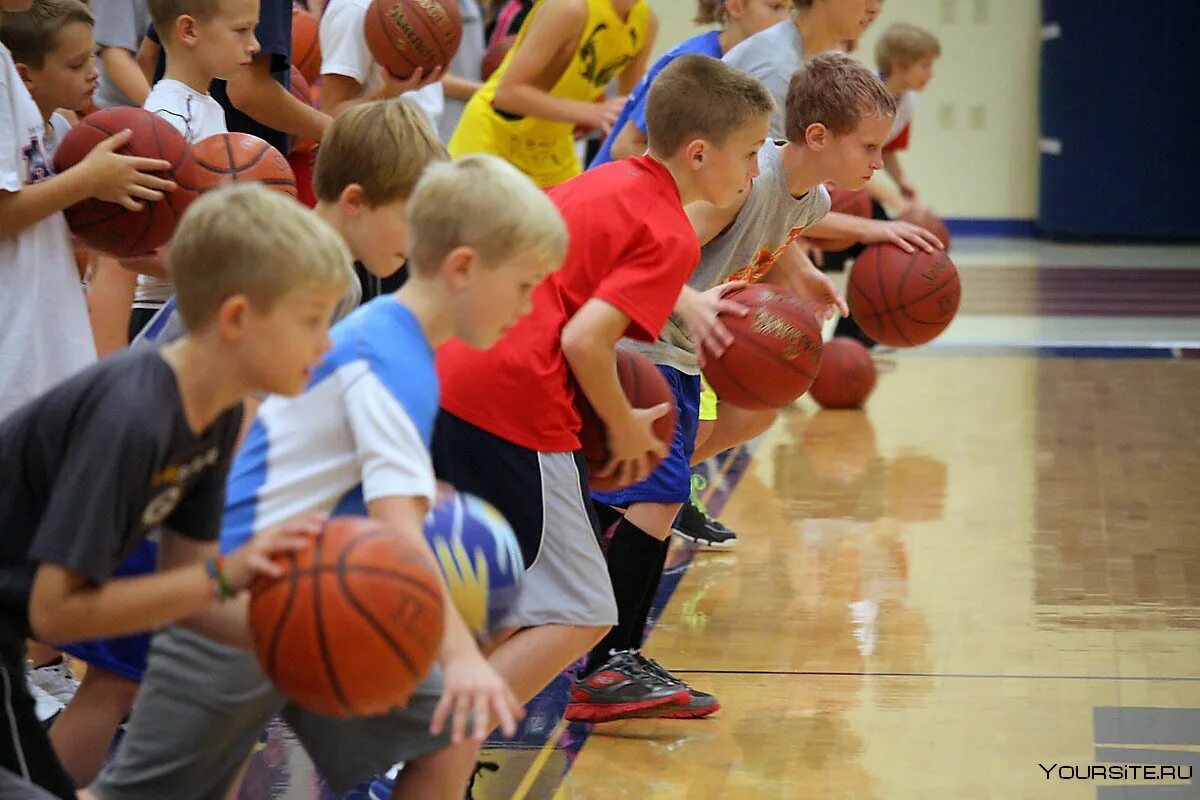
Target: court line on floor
{"type": "Point", "coordinates": [986, 675]}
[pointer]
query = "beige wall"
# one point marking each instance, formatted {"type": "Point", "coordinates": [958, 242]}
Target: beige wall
{"type": "Point", "coordinates": [974, 149]}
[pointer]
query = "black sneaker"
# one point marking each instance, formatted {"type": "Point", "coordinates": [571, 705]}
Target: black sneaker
{"type": "Point", "coordinates": [621, 687]}
{"type": "Point", "coordinates": [696, 526]}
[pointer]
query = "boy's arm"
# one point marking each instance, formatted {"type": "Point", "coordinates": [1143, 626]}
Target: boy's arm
{"type": "Point", "coordinates": [796, 272]}
{"type": "Point", "coordinates": [709, 220]}
{"type": "Point", "coordinates": [147, 58]}
{"type": "Point", "coordinates": [555, 28]}
{"type": "Point", "coordinates": [631, 141]}
{"type": "Point", "coordinates": [891, 165]}
{"type": "Point", "coordinates": [125, 73]}
{"type": "Point", "coordinates": [460, 88]}
{"type": "Point", "coordinates": [905, 235]}
{"type": "Point", "coordinates": [636, 68]}
{"type": "Point", "coordinates": [102, 174]}
{"type": "Point", "coordinates": [255, 91]}
{"type": "Point", "coordinates": [589, 342]}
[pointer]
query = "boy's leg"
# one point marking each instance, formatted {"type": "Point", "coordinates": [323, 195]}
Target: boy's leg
{"type": "Point", "coordinates": [636, 556]}
{"type": "Point", "coordinates": [693, 523]}
{"type": "Point", "coordinates": [83, 733]}
{"type": "Point", "coordinates": [201, 707]}
{"type": "Point", "coordinates": [25, 749]}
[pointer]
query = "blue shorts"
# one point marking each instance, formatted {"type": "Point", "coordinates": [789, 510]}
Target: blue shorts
{"type": "Point", "coordinates": [124, 656]}
{"type": "Point", "coordinates": [671, 480]}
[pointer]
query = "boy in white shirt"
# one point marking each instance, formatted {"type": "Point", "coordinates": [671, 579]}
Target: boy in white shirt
{"type": "Point", "coordinates": [44, 332]}
{"type": "Point", "coordinates": [202, 42]}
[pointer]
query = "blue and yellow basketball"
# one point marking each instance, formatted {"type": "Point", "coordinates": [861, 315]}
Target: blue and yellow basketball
{"type": "Point", "coordinates": [479, 557]}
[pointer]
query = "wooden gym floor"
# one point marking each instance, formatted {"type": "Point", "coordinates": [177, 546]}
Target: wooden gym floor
{"type": "Point", "coordinates": [986, 585]}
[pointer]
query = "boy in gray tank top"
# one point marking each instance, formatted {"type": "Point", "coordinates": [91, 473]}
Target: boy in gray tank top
{"type": "Point", "coordinates": [838, 114]}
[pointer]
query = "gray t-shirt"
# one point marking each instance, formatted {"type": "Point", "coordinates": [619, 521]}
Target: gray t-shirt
{"type": "Point", "coordinates": [766, 224]}
{"type": "Point", "coordinates": [467, 63]}
{"type": "Point", "coordinates": [772, 56]}
{"type": "Point", "coordinates": [119, 23]}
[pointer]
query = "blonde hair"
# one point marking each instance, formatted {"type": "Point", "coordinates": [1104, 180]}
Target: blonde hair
{"type": "Point", "coordinates": [836, 90]}
{"type": "Point", "coordinates": [163, 13]}
{"type": "Point", "coordinates": [31, 34]}
{"type": "Point", "coordinates": [698, 97]}
{"type": "Point", "coordinates": [903, 45]}
{"type": "Point", "coordinates": [485, 203]}
{"type": "Point", "coordinates": [382, 146]}
{"type": "Point", "coordinates": [247, 239]}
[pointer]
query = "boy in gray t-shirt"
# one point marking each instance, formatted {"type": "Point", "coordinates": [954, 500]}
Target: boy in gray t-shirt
{"type": "Point", "coordinates": [838, 115]}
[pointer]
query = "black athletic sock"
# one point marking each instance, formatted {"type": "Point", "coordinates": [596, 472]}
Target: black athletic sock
{"type": "Point", "coordinates": [633, 566]}
{"type": "Point", "coordinates": [638, 634]}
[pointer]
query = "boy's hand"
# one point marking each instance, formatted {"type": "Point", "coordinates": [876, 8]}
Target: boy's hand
{"type": "Point", "coordinates": [602, 114]}
{"type": "Point", "coordinates": [394, 87]}
{"type": "Point", "coordinates": [124, 179]}
{"type": "Point", "coordinates": [630, 446]}
{"type": "Point", "coordinates": [473, 688]}
{"type": "Point", "coordinates": [908, 190]}
{"type": "Point", "coordinates": [818, 291]}
{"type": "Point", "coordinates": [905, 235]}
{"type": "Point", "coordinates": [256, 557]}
{"type": "Point", "coordinates": [701, 316]}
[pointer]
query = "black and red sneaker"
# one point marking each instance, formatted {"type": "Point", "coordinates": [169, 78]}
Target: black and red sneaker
{"type": "Point", "coordinates": [700, 704]}
{"type": "Point", "coordinates": [622, 686]}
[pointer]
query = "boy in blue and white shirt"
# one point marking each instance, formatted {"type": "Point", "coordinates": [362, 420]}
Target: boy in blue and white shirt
{"type": "Point", "coordinates": [356, 441]}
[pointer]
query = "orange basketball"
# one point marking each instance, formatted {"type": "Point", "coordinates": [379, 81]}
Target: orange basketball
{"type": "Point", "coordinates": [645, 387]}
{"type": "Point", "coordinates": [110, 227]}
{"type": "Point", "coordinates": [903, 299]}
{"type": "Point", "coordinates": [354, 625]}
{"type": "Point", "coordinates": [405, 35]}
{"type": "Point", "coordinates": [494, 55]}
{"type": "Point", "coordinates": [239, 157]}
{"type": "Point", "coordinates": [775, 354]}
{"type": "Point", "coordinates": [306, 44]}
{"type": "Point", "coordinates": [847, 375]}
{"type": "Point", "coordinates": [845, 201]}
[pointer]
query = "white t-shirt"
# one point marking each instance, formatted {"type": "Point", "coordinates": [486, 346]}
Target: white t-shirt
{"type": "Point", "coordinates": [467, 63]}
{"type": "Point", "coordinates": [197, 116]}
{"type": "Point", "coordinates": [45, 335]}
{"type": "Point", "coordinates": [344, 51]}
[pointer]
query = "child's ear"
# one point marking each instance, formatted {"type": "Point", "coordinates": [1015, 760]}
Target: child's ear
{"type": "Point", "coordinates": [185, 29]}
{"type": "Point", "coordinates": [353, 200]}
{"type": "Point", "coordinates": [695, 151]}
{"type": "Point", "coordinates": [817, 136]}
{"type": "Point", "coordinates": [231, 317]}
{"type": "Point", "coordinates": [23, 71]}
{"type": "Point", "coordinates": [457, 266]}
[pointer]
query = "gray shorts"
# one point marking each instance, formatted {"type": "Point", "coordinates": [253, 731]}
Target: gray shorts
{"type": "Point", "coordinates": [544, 496]}
{"type": "Point", "coordinates": [202, 706]}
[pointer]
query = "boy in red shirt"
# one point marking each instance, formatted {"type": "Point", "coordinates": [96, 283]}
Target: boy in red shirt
{"type": "Point", "coordinates": [509, 431]}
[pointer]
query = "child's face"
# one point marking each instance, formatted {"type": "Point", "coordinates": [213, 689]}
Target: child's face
{"type": "Point", "coordinates": [226, 41]}
{"type": "Point", "coordinates": [378, 237]}
{"type": "Point", "coordinates": [752, 16]}
{"type": "Point", "coordinates": [851, 17]}
{"type": "Point", "coordinates": [724, 173]}
{"type": "Point", "coordinates": [916, 76]}
{"type": "Point", "coordinates": [283, 346]}
{"type": "Point", "coordinates": [852, 158]}
{"type": "Point", "coordinates": [68, 75]}
{"type": "Point", "coordinates": [489, 299]}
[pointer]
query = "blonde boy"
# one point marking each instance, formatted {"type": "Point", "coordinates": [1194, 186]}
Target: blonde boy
{"type": "Point", "coordinates": [905, 56]}
{"type": "Point", "coordinates": [142, 442]}
{"type": "Point", "coordinates": [479, 237]}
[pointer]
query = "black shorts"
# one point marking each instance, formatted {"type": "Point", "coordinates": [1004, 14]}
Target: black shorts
{"type": "Point", "coordinates": [25, 749]}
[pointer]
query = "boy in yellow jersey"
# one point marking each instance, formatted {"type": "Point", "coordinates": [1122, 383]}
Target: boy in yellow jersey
{"type": "Point", "coordinates": [566, 54]}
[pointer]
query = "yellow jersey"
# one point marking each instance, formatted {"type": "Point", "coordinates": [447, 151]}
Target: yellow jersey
{"type": "Point", "coordinates": [545, 149]}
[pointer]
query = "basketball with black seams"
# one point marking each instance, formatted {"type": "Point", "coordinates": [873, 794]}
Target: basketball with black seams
{"type": "Point", "coordinates": [407, 35]}
{"type": "Point", "coordinates": [110, 227]}
{"type": "Point", "coordinates": [354, 624]}
{"type": "Point", "coordinates": [645, 387]}
{"type": "Point", "coordinates": [225, 158]}
{"type": "Point", "coordinates": [776, 350]}
{"type": "Point", "coordinates": [903, 299]}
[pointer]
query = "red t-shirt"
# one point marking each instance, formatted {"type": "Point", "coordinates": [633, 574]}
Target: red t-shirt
{"type": "Point", "coordinates": [632, 246]}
